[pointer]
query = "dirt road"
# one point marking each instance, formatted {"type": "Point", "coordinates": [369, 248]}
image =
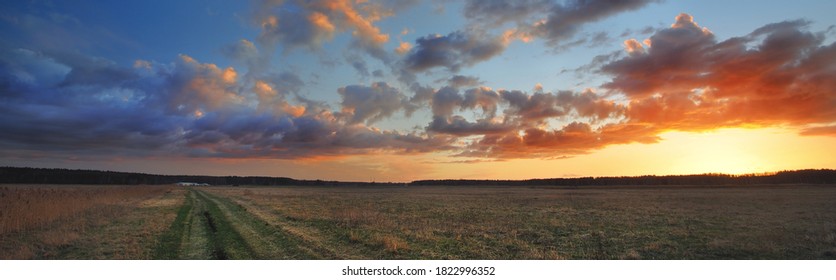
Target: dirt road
{"type": "Point", "coordinates": [211, 227]}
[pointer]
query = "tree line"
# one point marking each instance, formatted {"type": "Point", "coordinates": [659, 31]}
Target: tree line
{"type": "Point", "coordinates": [806, 176]}
{"type": "Point", "coordinates": [27, 175]}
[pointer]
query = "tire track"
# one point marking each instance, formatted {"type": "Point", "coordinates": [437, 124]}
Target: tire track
{"type": "Point", "coordinates": [210, 226]}
{"type": "Point", "coordinates": [310, 239]}
{"type": "Point", "coordinates": [197, 239]}
{"type": "Point", "coordinates": [252, 234]}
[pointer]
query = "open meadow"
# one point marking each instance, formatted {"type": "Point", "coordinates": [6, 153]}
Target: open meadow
{"type": "Point", "coordinates": [418, 222]}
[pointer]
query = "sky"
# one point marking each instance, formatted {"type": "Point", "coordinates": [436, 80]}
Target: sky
{"type": "Point", "coordinates": [408, 90]}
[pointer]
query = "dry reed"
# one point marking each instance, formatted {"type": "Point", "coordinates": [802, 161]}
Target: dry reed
{"type": "Point", "coordinates": [23, 208]}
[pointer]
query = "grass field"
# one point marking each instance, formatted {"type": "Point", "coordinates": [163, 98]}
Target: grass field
{"type": "Point", "coordinates": [457, 222]}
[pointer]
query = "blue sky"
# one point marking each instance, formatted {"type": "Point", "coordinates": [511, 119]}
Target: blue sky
{"type": "Point", "coordinates": [326, 85]}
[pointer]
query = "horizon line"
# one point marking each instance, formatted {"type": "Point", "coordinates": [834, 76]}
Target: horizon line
{"type": "Point", "coordinates": [759, 174]}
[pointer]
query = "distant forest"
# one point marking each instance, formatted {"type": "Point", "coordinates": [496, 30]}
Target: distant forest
{"type": "Point", "coordinates": [26, 175]}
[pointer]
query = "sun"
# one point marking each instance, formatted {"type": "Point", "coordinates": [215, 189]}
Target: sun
{"type": "Point", "coordinates": [730, 151]}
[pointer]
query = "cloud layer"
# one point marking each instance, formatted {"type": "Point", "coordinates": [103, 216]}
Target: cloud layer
{"type": "Point", "coordinates": [679, 78]}
{"type": "Point", "coordinates": [685, 79]}
{"type": "Point", "coordinates": [184, 108]}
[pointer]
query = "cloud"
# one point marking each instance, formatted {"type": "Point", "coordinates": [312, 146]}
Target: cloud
{"type": "Point", "coordinates": [309, 24]}
{"type": "Point", "coordinates": [454, 51]}
{"type": "Point", "coordinates": [32, 68]}
{"type": "Point", "coordinates": [564, 21]}
{"type": "Point", "coordinates": [459, 126]}
{"type": "Point", "coordinates": [574, 138]}
{"type": "Point", "coordinates": [681, 78]}
{"type": "Point", "coordinates": [555, 22]}
{"type": "Point", "coordinates": [540, 106]}
{"type": "Point", "coordinates": [247, 53]}
{"type": "Point", "coordinates": [445, 100]}
{"type": "Point", "coordinates": [403, 48]}
{"type": "Point", "coordinates": [459, 81]}
{"type": "Point", "coordinates": [520, 111]}
{"type": "Point", "coordinates": [686, 79]}
{"type": "Point", "coordinates": [820, 130]}
{"type": "Point", "coordinates": [185, 108]}
{"type": "Point", "coordinates": [482, 97]}
{"type": "Point", "coordinates": [632, 46]}
{"type": "Point", "coordinates": [495, 13]}
{"type": "Point", "coordinates": [370, 104]}
{"type": "Point", "coordinates": [195, 86]}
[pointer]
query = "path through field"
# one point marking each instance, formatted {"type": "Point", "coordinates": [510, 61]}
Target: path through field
{"type": "Point", "coordinates": [212, 227]}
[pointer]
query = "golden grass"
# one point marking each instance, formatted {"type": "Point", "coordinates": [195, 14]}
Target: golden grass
{"type": "Point", "coordinates": [28, 207]}
{"type": "Point", "coordinates": [83, 222]}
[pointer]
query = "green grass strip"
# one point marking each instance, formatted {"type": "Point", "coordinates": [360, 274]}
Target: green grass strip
{"type": "Point", "coordinates": [168, 246]}
{"type": "Point", "coordinates": [289, 246]}
{"type": "Point", "coordinates": [226, 242]}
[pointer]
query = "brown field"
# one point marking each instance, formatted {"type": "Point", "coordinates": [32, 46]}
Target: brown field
{"type": "Point", "coordinates": [457, 222]}
{"type": "Point", "coordinates": [83, 222]}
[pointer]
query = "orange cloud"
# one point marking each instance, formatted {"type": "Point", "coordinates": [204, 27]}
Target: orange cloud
{"type": "Point", "coordinates": [632, 46]}
{"type": "Point", "coordinates": [574, 138]}
{"type": "Point", "coordinates": [207, 86]}
{"type": "Point", "coordinates": [320, 20]}
{"type": "Point", "coordinates": [403, 48]}
{"type": "Point", "coordinates": [687, 80]}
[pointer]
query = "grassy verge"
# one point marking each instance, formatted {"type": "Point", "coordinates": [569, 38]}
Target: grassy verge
{"type": "Point", "coordinates": [169, 244]}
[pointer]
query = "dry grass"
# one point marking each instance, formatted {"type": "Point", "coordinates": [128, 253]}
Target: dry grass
{"type": "Point", "coordinates": [28, 207]}
{"type": "Point", "coordinates": [86, 222]}
{"type": "Point", "coordinates": [120, 222]}
{"type": "Point", "coordinates": [772, 222]}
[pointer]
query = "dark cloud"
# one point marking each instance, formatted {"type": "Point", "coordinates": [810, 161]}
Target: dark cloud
{"type": "Point", "coordinates": [454, 51]}
{"type": "Point", "coordinates": [539, 106]}
{"type": "Point", "coordinates": [495, 13]}
{"type": "Point", "coordinates": [521, 111]}
{"type": "Point", "coordinates": [564, 21]}
{"type": "Point", "coordinates": [186, 108]}
{"type": "Point", "coordinates": [459, 126]}
{"type": "Point", "coordinates": [483, 98]}
{"type": "Point", "coordinates": [459, 81]}
{"type": "Point", "coordinates": [554, 21]}
{"type": "Point", "coordinates": [370, 104]}
{"type": "Point", "coordinates": [445, 100]}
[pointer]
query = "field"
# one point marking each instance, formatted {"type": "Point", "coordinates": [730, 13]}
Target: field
{"type": "Point", "coordinates": [398, 222]}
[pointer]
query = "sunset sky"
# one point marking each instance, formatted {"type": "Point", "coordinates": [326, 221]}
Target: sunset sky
{"type": "Point", "coordinates": [407, 90]}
